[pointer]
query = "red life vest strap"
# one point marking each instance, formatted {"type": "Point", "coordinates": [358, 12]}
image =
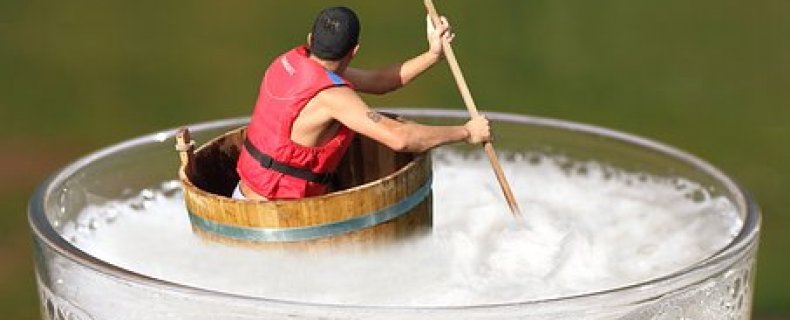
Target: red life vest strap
{"type": "Point", "coordinates": [268, 162]}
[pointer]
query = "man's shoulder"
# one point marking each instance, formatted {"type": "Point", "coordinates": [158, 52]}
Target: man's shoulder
{"type": "Point", "coordinates": [336, 94]}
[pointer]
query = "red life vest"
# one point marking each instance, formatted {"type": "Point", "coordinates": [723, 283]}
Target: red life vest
{"type": "Point", "coordinates": [290, 82]}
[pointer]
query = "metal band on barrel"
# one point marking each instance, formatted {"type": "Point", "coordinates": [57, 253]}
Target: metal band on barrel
{"type": "Point", "coordinates": [318, 231]}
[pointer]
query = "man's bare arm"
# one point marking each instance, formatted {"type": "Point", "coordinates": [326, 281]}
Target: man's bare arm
{"type": "Point", "coordinates": [380, 81]}
{"type": "Point", "coordinates": [384, 80]}
{"type": "Point", "coordinates": [345, 106]}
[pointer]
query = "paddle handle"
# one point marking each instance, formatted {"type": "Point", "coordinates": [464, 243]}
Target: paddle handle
{"type": "Point", "coordinates": [449, 54]}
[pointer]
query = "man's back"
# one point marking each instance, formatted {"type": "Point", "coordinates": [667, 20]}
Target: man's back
{"type": "Point", "coordinates": [291, 81]}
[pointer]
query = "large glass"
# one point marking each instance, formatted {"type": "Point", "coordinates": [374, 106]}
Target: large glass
{"type": "Point", "coordinates": [716, 287]}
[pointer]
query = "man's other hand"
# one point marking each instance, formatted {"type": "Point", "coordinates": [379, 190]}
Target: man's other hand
{"type": "Point", "coordinates": [478, 129]}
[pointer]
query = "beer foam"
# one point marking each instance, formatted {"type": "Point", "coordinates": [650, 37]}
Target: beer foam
{"type": "Point", "coordinates": [586, 227]}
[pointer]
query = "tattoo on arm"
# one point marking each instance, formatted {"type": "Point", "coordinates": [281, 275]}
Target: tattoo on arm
{"type": "Point", "coordinates": [374, 116]}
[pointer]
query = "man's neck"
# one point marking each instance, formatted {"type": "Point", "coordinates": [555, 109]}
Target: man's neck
{"type": "Point", "coordinates": [333, 66]}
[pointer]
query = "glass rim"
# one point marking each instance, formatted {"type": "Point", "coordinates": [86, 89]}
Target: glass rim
{"type": "Point", "coordinates": [43, 231]}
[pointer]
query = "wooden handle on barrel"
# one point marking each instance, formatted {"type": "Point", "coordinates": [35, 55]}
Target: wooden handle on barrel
{"type": "Point", "coordinates": [470, 105]}
{"type": "Point", "coordinates": [186, 149]}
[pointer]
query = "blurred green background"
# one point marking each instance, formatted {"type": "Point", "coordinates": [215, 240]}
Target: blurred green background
{"type": "Point", "coordinates": [711, 77]}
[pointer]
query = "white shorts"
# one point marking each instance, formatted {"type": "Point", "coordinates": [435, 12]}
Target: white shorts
{"type": "Point", "coordinates": [237, 193]}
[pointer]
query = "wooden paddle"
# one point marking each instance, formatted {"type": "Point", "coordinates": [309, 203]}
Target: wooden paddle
{"type": "Point", "coordinates": [470, 105]}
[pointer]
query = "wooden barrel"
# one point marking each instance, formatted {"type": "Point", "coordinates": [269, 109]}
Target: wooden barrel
{"type": "Point", "coordinates": [379, 196]}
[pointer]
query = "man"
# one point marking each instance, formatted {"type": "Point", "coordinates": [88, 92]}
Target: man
{"type": "Point", "coordinates": [308, 111]}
